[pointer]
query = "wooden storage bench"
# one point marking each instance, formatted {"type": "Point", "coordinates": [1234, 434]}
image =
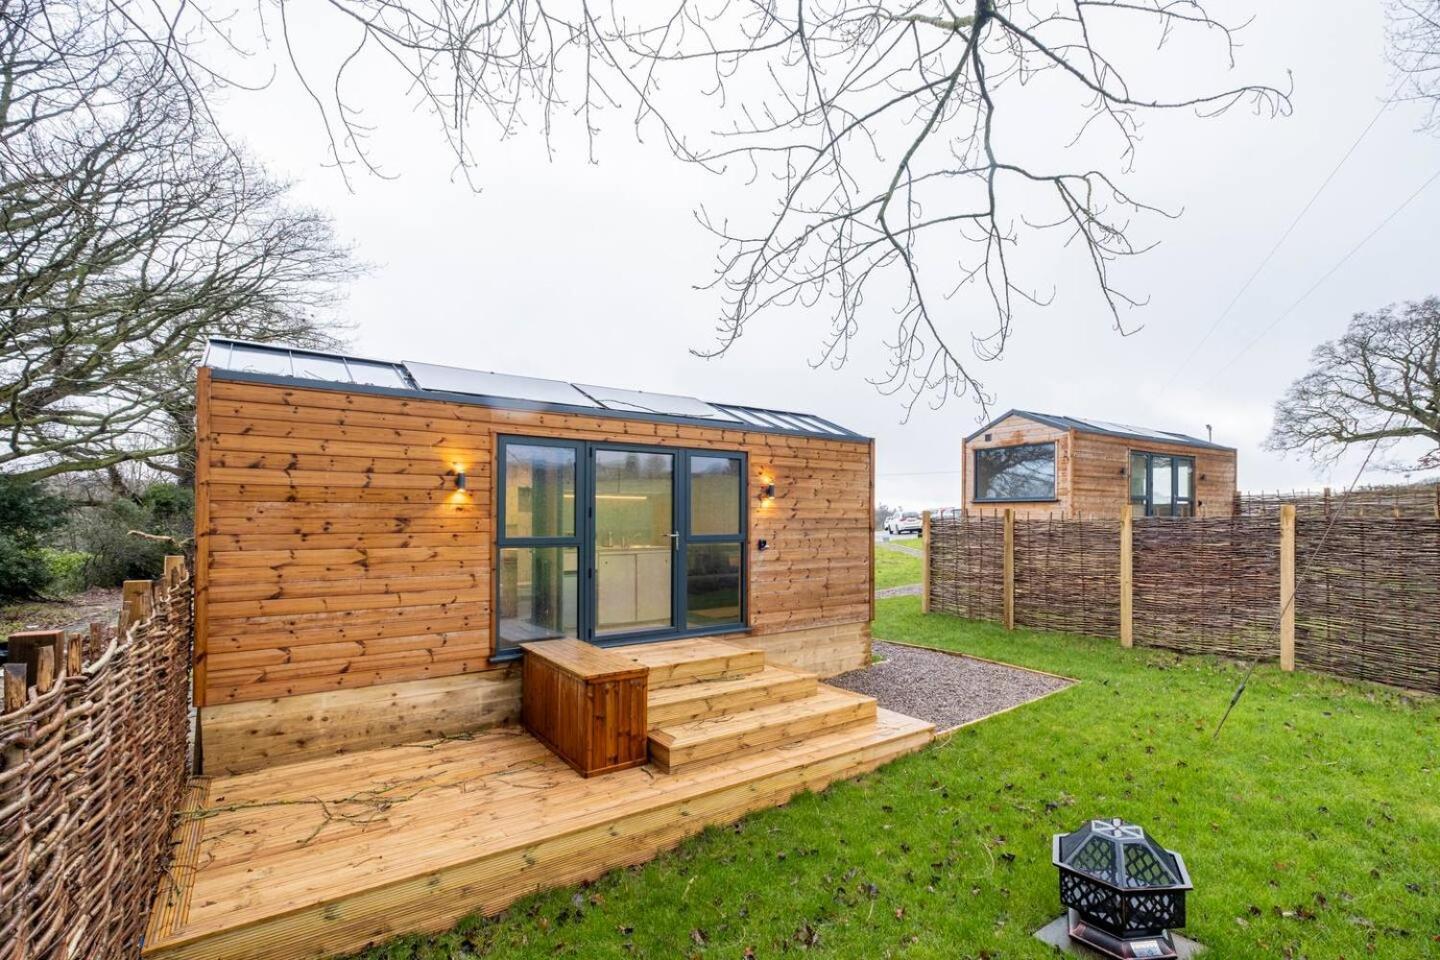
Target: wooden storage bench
{"type": "Point", "coordinates": [586, 703]}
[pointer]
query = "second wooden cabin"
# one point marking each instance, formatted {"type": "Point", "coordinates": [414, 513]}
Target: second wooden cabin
{"type": "Point", "coordinates": [1042, 464]}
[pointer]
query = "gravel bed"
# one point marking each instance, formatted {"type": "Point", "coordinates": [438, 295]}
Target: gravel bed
{"type": "Point", "coordinates": [909, 590]}
{"type": "Point", "coordinates": [945, 689]}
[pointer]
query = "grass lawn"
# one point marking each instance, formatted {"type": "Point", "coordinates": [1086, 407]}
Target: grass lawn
{"type": "Point", "coordinates": [894, 568]}
{"type": "Point", "coordinates": [1312, 828]}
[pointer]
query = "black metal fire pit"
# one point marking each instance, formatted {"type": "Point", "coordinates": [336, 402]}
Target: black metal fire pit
{"type": "Point", "coordinates": [1124, 891]}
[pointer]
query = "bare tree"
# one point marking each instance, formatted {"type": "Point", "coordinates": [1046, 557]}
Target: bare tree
{"type": "Point", "coordinates": [129, 231]}
{"type": "Point", "coordinates": [1379, 383]}
{"type": "Point", "coordinates": [1414, 37]}
{"type": "Point", "coordinates": [894, 140]}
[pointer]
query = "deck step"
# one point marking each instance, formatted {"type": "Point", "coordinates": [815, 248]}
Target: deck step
{"type": "Point", "coordinates": [712, 698]}
{"type": "Point", "coordinates": [683, 745]}
{"type": "Point", "coordinates": [683, 661]}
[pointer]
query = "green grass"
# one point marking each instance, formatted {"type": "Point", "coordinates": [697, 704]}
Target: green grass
{"type": "Point", "coordinates": [894, 568]}
{"type": "Point", "coordinates": [1311, 827]}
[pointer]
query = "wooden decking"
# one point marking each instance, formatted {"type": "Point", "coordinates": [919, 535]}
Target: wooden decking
{"type": "Point", "coordinates": [326, 856]}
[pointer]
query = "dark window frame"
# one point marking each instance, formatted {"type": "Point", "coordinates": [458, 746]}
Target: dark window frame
{"type": "Point", "coordinates": [978, 497]}
{"type": "Point", "coordinates": [1147, 502]}
{"type": "Point", "coordinates": [584, 540]}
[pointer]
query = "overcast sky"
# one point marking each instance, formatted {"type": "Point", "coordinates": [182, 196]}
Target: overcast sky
{"type": "Point", "coordinates": [567, 269]}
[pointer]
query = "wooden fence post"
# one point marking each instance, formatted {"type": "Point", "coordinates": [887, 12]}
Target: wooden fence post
{"type": "Point", "coordinates": [1009, 569]}
{"type": "Point", "coordinates": [1127, 583]}
{"type": "Point", "coordinates": [25, 648]}
{"type": "Point", "coordinates": [1287, 586]}
{"type": "Point", "coordinates": [925, 562]}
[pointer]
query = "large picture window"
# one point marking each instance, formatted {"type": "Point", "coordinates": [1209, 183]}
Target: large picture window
{"type": "Point", "coordinates": [1022, 472]}
{"type": "Point", "coordinates": [611, 543]}
{"type": "Point", "coordinates": [1162, 485]}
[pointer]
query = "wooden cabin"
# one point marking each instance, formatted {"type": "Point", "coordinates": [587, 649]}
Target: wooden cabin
{"type": "Point", "coordinates": [1041, 464]}
{"type": "Point", "coordinates": [461, 636]}
{"type": "Point", "coordinates": [377, 540]}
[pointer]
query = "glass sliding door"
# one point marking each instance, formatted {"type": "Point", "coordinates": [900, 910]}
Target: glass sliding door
{"type": "Point", "coordinates": [539, 543]}
{"type": "Point", "coordinates": [617, 544]}
{"type": "Point", "coordinates": [634, 540]}
{"type": "Point", "coordinates": [1161, 485]}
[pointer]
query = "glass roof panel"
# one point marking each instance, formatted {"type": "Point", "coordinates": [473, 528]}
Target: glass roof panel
{"type": "Point", "coordinates": [376, 374]}
{"type": "Point", "coordinates": [666, 404]}
{"type": "Point", "coordinates": [431, 376]}
{"type": "Point", "coordinates": [319, 367]}
{"type": "Point", "coordinates": [257, 360]}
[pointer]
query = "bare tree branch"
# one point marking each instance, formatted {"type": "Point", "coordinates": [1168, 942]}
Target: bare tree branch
{"type": "Point", "coordinates": [1379, 382]}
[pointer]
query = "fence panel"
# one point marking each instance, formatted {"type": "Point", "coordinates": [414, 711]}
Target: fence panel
{"type": "Point", "coordinates": [1067, 575]}
{"type": "Point", "coordinates": [1368, 605]}
{"type": "Point", "coordinates": [1208, 585]}
{"type": "Point", "coordinates": [93, 740]}
{"type": "Point", "coordinates": [966, 561]}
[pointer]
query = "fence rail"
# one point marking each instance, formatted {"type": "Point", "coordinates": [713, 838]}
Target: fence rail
{"type": "Point", "coordinates": [1354, 596]}
{"type": "Point", "coordinates": [92, 768]}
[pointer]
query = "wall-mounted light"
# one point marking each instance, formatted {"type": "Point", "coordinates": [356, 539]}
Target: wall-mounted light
{"type": "Point", "coordinates": [767, 493]}
{"type": "Point", "coordinates": [460, 480]}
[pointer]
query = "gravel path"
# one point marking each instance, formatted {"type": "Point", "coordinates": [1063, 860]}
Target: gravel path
{"type": "Point", "coordinates": [945, 689]}
{"type": "Point", "coordinates": [909, 590]}
{"type": "Point", "coordinates": [902, 548]}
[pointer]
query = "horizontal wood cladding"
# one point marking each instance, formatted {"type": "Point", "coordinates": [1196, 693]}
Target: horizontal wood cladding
{"type": "Point", "coordinates": [338, 554]}
{"type": "Point", "coordinates": [1092, 471]}
{"type": "Point", "coordinates": [1101, 481]}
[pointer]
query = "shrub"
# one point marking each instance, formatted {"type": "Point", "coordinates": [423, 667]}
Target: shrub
{"type": "Point", "coordinates": [27, 513]}
{"type": "Point", "coordinates": [115, 555]}
{"type": "Point", "coordinates": [67, 569]}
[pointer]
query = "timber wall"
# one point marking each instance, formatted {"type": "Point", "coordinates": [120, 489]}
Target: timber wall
{"type": "Point", "coordinates": [335, 554]}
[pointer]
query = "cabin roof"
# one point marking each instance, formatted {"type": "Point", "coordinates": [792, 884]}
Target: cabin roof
{"type": "Point", "coordinates": [1104, 428]}
{"type": "Point", "coordinates": [299, 366]}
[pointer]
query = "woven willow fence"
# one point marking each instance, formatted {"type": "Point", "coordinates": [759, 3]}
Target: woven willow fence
{"type": "Point", "coordinates": [1366, 590]}
{"type": "Point", "coordinates": [1396, 500]}
{"type": "Point", "coordinates": [92, 735]}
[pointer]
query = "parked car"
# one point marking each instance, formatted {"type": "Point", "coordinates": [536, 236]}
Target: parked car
{"type": "Point", "coordinates": [903, 523]}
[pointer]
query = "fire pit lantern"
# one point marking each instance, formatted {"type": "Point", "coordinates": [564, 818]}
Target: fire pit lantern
{"type": "Point", "coordinates": [1123, 890]}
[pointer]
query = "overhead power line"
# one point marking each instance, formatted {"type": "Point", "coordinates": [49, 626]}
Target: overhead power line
{"type": "Point", "coordinates": [1184, 363]}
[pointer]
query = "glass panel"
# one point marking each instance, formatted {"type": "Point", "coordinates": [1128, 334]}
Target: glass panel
{"type": "Point", "coordinates": [1025, 472]}
{"type": "Point", "coordinates": [1138, 464]}
{"type": "Point", "coordinates": [539, 587]}
{"type": "Point", "coordinates": [1184, 478]}
{"type": "Point", "coordinates": [1161, 480]}
{"type": "Point", "coordinates": [539, 485]}
{"type": "Point", "coordinates": [634, 540]}
{"type": "Point", "coordinates": [714, 496]}
{"type": "Point", "coordinates": [376, 374]}
{"type": "Point", "coordinates": [712, 584]}
{"type": "Point", "coordinates": [260, 360]}
{"type": "Point", "coordinates": [319, 367]}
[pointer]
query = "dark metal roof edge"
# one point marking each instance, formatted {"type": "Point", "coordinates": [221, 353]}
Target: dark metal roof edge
{"type": "Point", "coordinates": [508, 403]}
{"type": "Point", "coordinates": [1059, 423]}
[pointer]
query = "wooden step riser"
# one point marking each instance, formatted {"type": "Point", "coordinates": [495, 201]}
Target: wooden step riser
{"type": "Point", "coordinates": [831, 720]}
{"type": "Point", "coordinates": [741, 664]}
{"type": "Point", "coordinates": [795, 686]}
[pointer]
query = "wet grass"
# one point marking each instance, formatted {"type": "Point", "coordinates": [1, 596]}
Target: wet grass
{"type": "Point", "coordinates": [1311, 826]}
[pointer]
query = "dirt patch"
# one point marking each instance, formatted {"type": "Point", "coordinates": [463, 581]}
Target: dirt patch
{"type": "Point", "coordinates": [97, 605]}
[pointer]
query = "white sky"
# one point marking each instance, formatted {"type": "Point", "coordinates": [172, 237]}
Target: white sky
{"type": "Point", "coordinates": [577, 271]}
